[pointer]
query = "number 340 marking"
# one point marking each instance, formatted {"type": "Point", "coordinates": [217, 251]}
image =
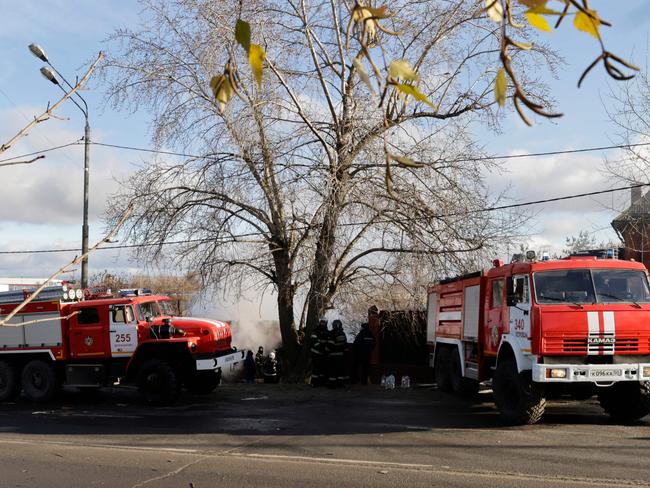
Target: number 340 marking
{"type": "Point", "coordinates": [120, 338]}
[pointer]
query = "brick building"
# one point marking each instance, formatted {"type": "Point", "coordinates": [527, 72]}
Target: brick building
{"type": "Point", "coordinates": [633, 227]}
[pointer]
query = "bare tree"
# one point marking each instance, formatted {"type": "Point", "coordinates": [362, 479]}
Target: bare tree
{"type": "Point", "coordinates": [631, 115]}
{"type": "Point", "coordinates": [291, 190]}
{"type": "Point", "coordinates": [183, 289]}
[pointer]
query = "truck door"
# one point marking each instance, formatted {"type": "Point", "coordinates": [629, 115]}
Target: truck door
{"type": "Point", "coordinates": [494, 315]}
{"type": "Point", "coordinates": [519, 311]}
{"type": "Point", "coordinates": [88, 333]}
{"type": "Point", "coordinates": [123, 330]}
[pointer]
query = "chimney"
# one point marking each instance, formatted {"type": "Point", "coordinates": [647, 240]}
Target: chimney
{"type": "Point", "coordinates": [635, 194]}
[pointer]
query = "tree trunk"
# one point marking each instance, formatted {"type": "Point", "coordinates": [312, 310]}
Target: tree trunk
{"type": "Point", "coordinates": [286, 292]}
{"type": "Point", "coordinates": [318, 295]}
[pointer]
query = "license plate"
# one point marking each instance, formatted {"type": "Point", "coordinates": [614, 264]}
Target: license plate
{"type": "Point", "coordinates": [605, 373]}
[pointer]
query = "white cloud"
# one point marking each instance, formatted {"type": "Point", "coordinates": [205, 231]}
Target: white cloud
{"type": "Point", "coordinates": [541, 178]}
{"type": "Point", "coordinates": [50, 191]}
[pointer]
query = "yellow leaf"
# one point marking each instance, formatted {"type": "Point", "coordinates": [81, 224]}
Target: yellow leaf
{"type": "Point", "coordinates": [378, 12]}
{"type": "Point", "coordinates": [494, 10]}
{"type": "Point", "coordinates": [500, 87]}
{"type": "Point", "coordinates": [543, 10]}
{"type": "Point", "coordinates": [256, 57]}
{"type": "Point", "coordinates": [360, 13]}
{"type": "Point", "coordinates": [400, 69]}
{"type": "Point", "coordinates": [538, 21]}
{"type": "Point", "coordinates": [404, 161]}
{"type": "Point", "coordinates": [415, 93]}
{"type": "Point", "coordinates": [363, 74]}
{"type": "Point", "coordinates": [533, 3]}
{"type": "Point", "coordinates": [222, 90]}
{"type": "Point", "coordinates": [243, 34]}
{"type": "Point", "coordinates": [588, 24]}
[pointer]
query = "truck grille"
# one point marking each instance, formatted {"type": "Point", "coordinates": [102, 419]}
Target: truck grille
{"type": "Point", "coordinates": [580, 345]}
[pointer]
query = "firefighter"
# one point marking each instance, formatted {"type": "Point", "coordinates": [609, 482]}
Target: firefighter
{"type": "Point", "coordinates": [259, 362]}
{"type": "Point", "coordinates": [271, 369]}
{"type": "Point", "coordinates": [250, 369]}
{"type": "Point", "coordinates": [364, 344]}
{"type": "Point", "coordinates": [319, 349]}
{"type": "Point", "coordinates": [336, 360]}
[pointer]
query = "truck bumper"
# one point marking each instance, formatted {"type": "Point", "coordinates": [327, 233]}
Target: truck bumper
{"type": "Point", "coordinates": [590, 373]}
{"type": "Point", "coordinates": [218, 362]}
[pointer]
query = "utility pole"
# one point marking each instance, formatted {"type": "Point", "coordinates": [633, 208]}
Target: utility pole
{"type": "Point", "coordinates": [84, 229]}
{"type": "Point", "coordinates": [38, 51]}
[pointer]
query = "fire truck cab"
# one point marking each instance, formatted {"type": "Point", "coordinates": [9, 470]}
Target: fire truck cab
{"type": "Point", "coordinates": [577, 326]}
{"type": "Point", "coordinates": [134, 338]}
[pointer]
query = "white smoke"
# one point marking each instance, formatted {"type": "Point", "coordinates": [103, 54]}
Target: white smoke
{"type": "Point", "coordinates": [253, 319]}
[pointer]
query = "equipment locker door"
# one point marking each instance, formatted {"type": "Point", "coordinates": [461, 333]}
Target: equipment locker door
{"type": "Point", "coordinates": [495, 314]}
{"type": "Point", "coordinates": [519, 312]}
{"type": "Point", "coordinates": [88, 333]}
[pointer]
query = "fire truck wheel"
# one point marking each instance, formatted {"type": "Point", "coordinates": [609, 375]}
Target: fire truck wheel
{"type": "Point", "coordinates": [203, 382]}
{"type": "Point", "coordinates": [518, 399]}
{"type": "Point", "coordinates": [443, 377]}
{"type": "Point", "coordinates": [464, 387]}
{"type": "Point", "coordinates": [626, 401]}
{"type": "Point", "coordinates": [158, 383]}
{"type": "Point", "coordinates": [9, 383]}
{"type": "Point", "coordinates": [39, 380]}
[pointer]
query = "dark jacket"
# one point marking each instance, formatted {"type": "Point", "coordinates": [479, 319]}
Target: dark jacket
{"type": "Point", "coordinates": [364, 343]}
{"type": "Point", "coordinates": [249, 368]}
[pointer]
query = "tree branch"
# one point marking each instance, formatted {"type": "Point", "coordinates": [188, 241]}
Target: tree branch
{"type": "Point", "coordinates": [50, 110]}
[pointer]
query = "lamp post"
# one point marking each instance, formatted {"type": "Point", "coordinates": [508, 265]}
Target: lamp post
{"type": "Point", "coordinates": [51, 75]}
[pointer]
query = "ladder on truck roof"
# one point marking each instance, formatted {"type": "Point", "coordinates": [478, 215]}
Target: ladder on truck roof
{"type": "Point", "coordinates": [49, 294]}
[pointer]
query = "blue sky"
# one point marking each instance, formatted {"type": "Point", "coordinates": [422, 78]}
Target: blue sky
{"type": "Point", "coordinates": [43, 205]}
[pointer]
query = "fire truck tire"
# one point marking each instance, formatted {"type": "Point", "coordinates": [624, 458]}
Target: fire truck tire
{"type": "Point", "coordinates": [9, 382]}
{"type": "Point", "coordinates": [39, 381]}
{"type": "Point", "coordinates": [626, 401]}
{"type": "Point", "coordinates": [158, 383]}
{"type": "Point", "coordinates": [442, 369]}
{"type": "Point", "coordinates": [203, 382]}
{"type": "Point", "coordinates": [464, 387]}
{"type": "Point", "coordinates": [517, 398]}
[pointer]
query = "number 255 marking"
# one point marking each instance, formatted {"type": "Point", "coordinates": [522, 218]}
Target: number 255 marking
{"type": "Point", "coordinates": [122, 338]}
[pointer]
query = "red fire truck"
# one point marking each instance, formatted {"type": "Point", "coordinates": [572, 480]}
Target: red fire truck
{"type": "Point", "coordinates": [577, 326]}
{"type": "Point", "coordinates": [135, 338]}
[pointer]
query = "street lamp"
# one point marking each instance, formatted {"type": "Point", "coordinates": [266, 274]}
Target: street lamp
{"type": "Point", "coordinates": [51, 75]}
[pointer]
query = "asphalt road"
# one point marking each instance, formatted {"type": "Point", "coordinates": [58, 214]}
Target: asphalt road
{"type": "Point", "coordinates": [293, 436]}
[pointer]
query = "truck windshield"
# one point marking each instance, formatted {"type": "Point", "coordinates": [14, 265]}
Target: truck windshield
{"type": "Point", "coordinates": [148, 310]}
{"type": "Point", "coordinates": [591, 286]}
{"type": "Point", "coordinates": [167, 308]}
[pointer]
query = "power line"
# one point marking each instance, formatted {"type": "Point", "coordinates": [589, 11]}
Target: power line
{"type": "Point", "coordinates": [555, 153]}
{"type": "Point", "coordinates": [457, 160]}
{"type": "Point", "coordinates": [235, 238]}
{"type": "Point", "coordinates": [144, 149]}
{"type": "Point", "coordinates": [556, 199]}
{"type": "Point", "coordinates": [49, 149]}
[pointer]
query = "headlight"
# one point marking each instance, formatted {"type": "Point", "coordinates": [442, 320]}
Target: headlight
{"type": "Point", "coordinates": [646, 371]}
{"type": "Point", "coordinates": [556, 373]}
{"type": "Point", "coordinates": [79, 293]}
